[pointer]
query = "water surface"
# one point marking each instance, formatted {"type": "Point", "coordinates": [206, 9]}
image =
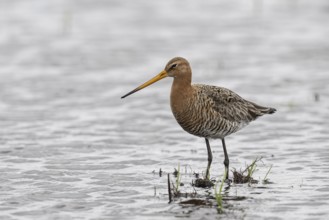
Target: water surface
{"type": "Point", "coordinates": [70, 148]}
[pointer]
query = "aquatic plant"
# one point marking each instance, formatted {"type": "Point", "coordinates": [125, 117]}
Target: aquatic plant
{"type": "Point", "coordinates": [239, 177]}
{"type": "Point", "coordinates": [266, 180]}
{"type": "Point", "coordinates": [178, 178]}
{"type": "Point", "coordinates": [177, 183]}
{"type": "Point", "coordinates": [251, 168]}
{"type": "Point", "coordinates": [218, 194]}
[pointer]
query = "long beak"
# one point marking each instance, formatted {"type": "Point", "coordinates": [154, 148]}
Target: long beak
{"type": "Point", "coordinates": [158, 77]}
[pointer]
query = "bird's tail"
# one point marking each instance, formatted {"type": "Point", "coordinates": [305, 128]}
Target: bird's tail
{"type": "Point", "coordinates": [271, 110]}
{"type": "Point", "coordinates": [265, 110]}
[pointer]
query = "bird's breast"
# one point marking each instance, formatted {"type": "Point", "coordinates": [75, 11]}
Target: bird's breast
{"type": "Point", "coordinates": [196, 114]}
{"type": "Point", "coordinates": [192, 114]}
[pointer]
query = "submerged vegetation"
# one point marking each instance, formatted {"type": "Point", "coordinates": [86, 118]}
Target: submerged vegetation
{"type": "Point", "coordinates": [240, 177]}
{"type": "Point", "coordinates": [203, 183]}
{"type": "Point", "coordinates": [217, 198]}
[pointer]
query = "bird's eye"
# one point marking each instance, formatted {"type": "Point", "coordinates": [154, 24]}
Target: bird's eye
{"type": "Point", "coordinates": [173, 66]}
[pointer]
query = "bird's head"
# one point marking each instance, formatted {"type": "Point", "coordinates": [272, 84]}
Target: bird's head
{"type": "Point", "coordinates": [177, 67]}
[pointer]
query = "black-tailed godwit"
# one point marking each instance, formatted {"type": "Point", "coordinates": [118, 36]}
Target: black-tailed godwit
{"type": "Point", "coordinates": [203, 110]}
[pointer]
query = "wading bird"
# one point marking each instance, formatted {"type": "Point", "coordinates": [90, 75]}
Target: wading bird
{"type": "Point", "coordinates": [203, 110]}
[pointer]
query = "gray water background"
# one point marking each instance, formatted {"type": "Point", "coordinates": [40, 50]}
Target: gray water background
{"type": "Point", "coordinates": [70, 148]}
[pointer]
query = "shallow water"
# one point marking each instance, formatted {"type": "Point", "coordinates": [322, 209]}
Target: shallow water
{"type": "Point", "coordinates": [71, 148]}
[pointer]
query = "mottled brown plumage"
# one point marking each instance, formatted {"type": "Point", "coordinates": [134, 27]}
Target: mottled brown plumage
{"type": "Point", "coordinates": [215, 112]}
{"type": "Point", "coordinates": [203, 110]}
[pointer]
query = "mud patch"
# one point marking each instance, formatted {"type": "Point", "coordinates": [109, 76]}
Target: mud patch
{"type": "Point", "coordinates": [245, 176]}
{"type": "Point", "coordinates": [203, 183]}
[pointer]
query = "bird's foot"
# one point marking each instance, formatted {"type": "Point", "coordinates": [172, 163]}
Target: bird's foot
{"type": "Point", "coordinates": [228, 181]}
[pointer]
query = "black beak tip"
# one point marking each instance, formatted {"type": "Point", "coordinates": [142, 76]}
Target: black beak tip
{"type": "Point", "coordinates": [129, 93]}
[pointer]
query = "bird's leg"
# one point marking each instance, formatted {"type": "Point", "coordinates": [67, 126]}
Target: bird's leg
{"type": "Point", "coordinates": [209, 158]}
{"type": "Point", "coordinates": [226, 160]}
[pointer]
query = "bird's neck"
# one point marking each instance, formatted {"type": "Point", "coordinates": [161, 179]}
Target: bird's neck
{"type": "Point", "coordinates": [181, 92]}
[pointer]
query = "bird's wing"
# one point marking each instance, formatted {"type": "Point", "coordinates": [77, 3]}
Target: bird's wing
{"type": "Point", "coordinates": [229, 104]}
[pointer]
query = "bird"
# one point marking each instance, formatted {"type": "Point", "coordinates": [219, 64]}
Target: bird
{"type": "Point", "coordinates": [206, 111]}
